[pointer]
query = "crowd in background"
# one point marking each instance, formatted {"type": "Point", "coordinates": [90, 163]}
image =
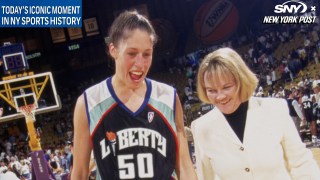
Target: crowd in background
{"type": "Point", "coordinates": [15, 153]}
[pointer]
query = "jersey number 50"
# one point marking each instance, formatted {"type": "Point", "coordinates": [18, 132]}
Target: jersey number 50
{"type": "Point", "coordinates": [127, 168]}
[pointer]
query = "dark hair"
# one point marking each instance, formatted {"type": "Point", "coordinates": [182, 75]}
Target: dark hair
{"type": "Point", "coordinates": [54, 164]}
{"type": "Point", "coordinates": [128, 21]}
{"type": "Point", "coordinates": [15, 171]}
{"type": "Point", "coordinates": [307, 92]}
{"type": "Point", "coordinates": [287, 93]}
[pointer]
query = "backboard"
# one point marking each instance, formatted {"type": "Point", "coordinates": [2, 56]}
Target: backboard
{"type": "Point", "coordinates": [37, 89]}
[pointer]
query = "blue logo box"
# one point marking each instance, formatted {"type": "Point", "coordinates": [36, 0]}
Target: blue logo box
{"type": "Point", "coordinates": [41, 13]}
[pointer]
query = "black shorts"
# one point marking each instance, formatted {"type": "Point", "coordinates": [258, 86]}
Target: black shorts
{"type": "Point", "coordinates": [309, 116]}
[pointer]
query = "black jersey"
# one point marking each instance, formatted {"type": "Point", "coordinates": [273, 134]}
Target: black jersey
{"type": "Point", "coordinates": [307, 106]}
{"type": "Point", "coordinates": [133, 145]}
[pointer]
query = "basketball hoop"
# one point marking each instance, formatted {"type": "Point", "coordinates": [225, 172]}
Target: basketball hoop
{"type": "Point", "coordinates": [28, 111]}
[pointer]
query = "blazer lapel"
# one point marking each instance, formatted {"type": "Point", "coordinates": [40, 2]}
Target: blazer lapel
{"type": "Point", "coordinates": [225, 129]}
{"type": "Point", "coordinates": [253, 115]}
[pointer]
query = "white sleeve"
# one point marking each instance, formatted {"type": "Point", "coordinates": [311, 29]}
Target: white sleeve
{"type": "Point", "coordinates": [300, 160]}
{"type": "Point", "coordinates": [203, 165]}
{"type": "Point", "coordinates": [296, 106]}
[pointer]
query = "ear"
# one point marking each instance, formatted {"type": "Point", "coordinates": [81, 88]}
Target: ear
{"type": "Point", "coordinates": [113, 51]}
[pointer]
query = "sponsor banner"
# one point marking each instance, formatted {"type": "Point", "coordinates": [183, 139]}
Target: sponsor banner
{"type": "Point", "coordinates": [44, 13]}
{"type": "Point", "coordinates": [206, 107]}
{"type": "Point", "coordinates": [215, 20]}
{"type": "Point", "coordinates": [39, 165]}
{"type": "Point", "coordinates": [292, 12]}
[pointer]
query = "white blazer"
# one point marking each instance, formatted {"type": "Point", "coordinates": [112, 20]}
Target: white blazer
{"type": "Point", "coordinates": [271, 148]}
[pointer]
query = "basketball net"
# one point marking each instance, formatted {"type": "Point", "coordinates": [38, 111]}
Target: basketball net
{"type": "Point", "coordinates": [28, 111]}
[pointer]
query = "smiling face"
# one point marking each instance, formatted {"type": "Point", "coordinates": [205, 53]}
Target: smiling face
{"type": "Point", "coordinates": [133, 57]}
{"type": "Point", "coordinates": [221, 90]}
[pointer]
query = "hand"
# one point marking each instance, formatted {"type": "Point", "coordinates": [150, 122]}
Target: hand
{"type": "Point", "coordinates": [303, 122]}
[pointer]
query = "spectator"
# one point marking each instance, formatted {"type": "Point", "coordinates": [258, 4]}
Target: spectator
{"type": "Point", "coordinates": [6, 174]}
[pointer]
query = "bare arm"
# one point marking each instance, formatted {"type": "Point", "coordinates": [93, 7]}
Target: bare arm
{"type": "Point", "coordinates": [81, 152]}
{"type": "Point", "coordinates": [184, 166]}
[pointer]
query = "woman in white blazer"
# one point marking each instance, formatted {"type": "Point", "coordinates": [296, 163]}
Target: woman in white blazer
{"type": "Point", "coordinates": [245, 137]}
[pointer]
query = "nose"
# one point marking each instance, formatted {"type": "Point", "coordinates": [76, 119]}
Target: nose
{"type": "Point", "coordinates": [139, 61]}
{"type": "Point", "coordinates": [220, 96]}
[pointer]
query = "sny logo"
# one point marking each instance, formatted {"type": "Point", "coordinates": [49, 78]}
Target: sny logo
{"type": "Point", "coordinates": [291, 7]}
{"type": "Point", "coordinates": [292, 12]}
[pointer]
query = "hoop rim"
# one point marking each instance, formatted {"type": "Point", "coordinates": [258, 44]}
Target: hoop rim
{"type": "Point", "coordinates": [28, 109]}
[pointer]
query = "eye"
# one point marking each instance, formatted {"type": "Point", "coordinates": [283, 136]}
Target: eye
{"type": "Point", "coordinates": [146, 55]}
{"type": "Point", "coordinates": [228, 86]}
{"type": "Point", "coordinates": [132, 54]}
{"type": "Point", "coordinates": [211, 91]}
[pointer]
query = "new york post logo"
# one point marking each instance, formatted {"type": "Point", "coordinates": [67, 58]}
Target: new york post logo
{"type": "Point", "coordinates": [292, 12]}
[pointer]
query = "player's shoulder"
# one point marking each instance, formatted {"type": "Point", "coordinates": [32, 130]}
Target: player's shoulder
{"type": "Point", "coordinates": [97, 86]}
{"type": "Point", "coordinates": [160, 85]}
{"type": "Point", "coordinates": [160, 89]}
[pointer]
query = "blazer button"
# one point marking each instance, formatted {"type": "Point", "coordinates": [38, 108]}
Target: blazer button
{"type": "Point", "coordinates": [241, 148]}
{"type": "Point", "coordinates": [247, 169]}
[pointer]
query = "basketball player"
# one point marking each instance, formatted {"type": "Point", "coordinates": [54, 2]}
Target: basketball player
{"type": "Point", "coordinates": [308, 102]}
{"type": "Point", "coordinates": [307, 107]}
{"type": "Point", "coordinates": [133, 124]}
{"type": "Point", "coordinates": [294, 109]}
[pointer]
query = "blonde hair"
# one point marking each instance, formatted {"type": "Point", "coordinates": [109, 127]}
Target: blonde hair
{"type": "Point", "coordinates": [222, 63]}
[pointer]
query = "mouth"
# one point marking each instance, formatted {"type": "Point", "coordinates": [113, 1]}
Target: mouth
{"type": "Point", "coordinates": [136, 75]}
{"type": "Point", "coordinates": [224, 102]}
